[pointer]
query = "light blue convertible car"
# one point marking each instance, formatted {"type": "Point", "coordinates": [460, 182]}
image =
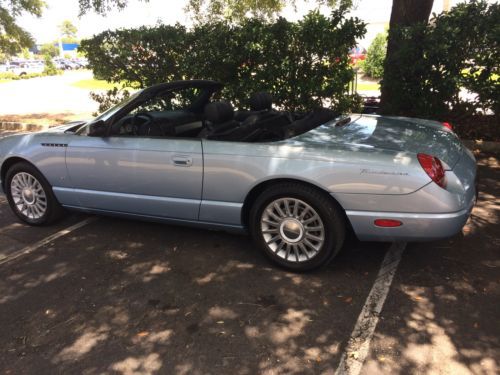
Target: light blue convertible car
{"type": "Point", "coordinates": [296, 182]}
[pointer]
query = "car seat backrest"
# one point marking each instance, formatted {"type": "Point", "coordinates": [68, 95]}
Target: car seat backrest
{"type": "Point", "coordinates": [219, 112]}
{"type": "Point", "coordinates": [219, 117]}
{"type": "Point", "coordinates": [261, 101]}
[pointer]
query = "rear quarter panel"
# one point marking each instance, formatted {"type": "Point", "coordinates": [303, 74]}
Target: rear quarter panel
{"type": "Point", "coordinates": [352, 174]}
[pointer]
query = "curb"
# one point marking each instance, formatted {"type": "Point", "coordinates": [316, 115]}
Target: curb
{"type": "Point", "coordinates": [484, 146]}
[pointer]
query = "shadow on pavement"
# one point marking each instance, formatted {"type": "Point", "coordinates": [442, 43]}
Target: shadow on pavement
{"type": "Point", "coordinates": [443, 310]}
{"type": "Point", "coordinates": [130, 297]}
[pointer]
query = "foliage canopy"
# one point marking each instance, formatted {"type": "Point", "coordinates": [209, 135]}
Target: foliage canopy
{"type": "Point", "coordinates": [458, 50]}
{"type": "Point", "coordinates": [238, 10]}
{"type": "Point", "coordinates": [67, 29]}
{"type": "Point", "coordinates": [303, 64]}
{"type": "Point", "coordinates": [14, 38]}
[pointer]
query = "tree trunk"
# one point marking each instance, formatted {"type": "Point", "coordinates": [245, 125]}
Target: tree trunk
{"type": "Point", "coordinates": [404, 13]}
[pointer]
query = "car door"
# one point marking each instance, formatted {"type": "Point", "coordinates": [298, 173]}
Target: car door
{"type": "Point", "coordinates": [157, 177]}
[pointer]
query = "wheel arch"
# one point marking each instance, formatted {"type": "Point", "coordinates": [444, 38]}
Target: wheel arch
{"type": "Point", "coordinates": [260, 187]}
{"type": "Point", "coordinates": [9, 162]}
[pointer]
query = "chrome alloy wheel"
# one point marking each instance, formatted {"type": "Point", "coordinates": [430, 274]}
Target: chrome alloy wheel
{"type": "Point", "coordinates": [28, 195]}
{"type": "Point", "coordinates": [292, 229]}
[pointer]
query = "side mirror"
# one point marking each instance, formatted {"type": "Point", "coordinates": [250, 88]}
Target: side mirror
{"type": "Point", "coordinates": [97, 129]}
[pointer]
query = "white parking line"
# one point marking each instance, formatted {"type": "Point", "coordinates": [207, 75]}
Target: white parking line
{"type": "Point", "coordinates": [30, 248]}
{"type": "Point", "coordinates": [355, 354]}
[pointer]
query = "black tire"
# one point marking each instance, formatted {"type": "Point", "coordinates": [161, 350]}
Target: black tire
{"type": "Point", "coordinates": [330, 213]}
{"type": "Point", "coordinates": [53, 210]}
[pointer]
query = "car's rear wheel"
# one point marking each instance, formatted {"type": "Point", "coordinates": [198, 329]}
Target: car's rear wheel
{"type": "Point", "coordinates": [297, 226]}
{"type": "Point", "coordinates": [30, 196]}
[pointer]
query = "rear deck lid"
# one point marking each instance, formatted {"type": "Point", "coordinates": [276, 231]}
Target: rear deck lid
{"type": "Point", "coordinates": [393, 133]}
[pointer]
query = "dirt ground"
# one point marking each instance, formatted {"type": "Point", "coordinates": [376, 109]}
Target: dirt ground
{"type": "Point", "coordinates": [128, 297]}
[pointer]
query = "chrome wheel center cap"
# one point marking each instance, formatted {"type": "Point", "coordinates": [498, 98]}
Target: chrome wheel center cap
{"type": "Point", "coordinates": [291, 230]}
{"type": "Point", "coordinates": [28, 196]}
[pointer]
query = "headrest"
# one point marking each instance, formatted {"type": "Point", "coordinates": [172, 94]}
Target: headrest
{"type": "Point", "coordinates": [219, 112]}
{"type": "Point", "coordinates": [261, 101]}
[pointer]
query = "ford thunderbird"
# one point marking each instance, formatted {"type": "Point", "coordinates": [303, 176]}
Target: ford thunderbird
{"type": "Point", "coordinates": [297, 182]}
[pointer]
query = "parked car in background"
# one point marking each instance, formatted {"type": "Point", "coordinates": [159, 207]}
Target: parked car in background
{"type": "Point", "coordinates": [66, 64]}
{"type": "Point", "coordinates": [27, 68]}
{"type": "Point", "coordinates": [357, 54]}
{"type": "Point", "coordinates": [81, 63]}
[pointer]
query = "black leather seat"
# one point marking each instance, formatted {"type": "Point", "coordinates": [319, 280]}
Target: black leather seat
{"type": "Point", "coordinates": [270, 121]}
{"type": "Point", "coordinates": [260, 103]}
{"type": "Point", "coordinates": [219, 118]}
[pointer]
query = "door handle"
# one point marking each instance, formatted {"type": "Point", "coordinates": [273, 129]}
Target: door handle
{"type": "Point", "coordinates": [182, 160]}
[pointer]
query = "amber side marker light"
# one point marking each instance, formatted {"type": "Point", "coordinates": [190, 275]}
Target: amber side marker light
{"type": "Point", "coordinates": [387, 223]}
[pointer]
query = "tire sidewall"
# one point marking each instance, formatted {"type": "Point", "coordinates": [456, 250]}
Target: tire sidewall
{"type": "Point", "coordinates": [52, 204]}
{"type": "Point", "coordinates": [327, 212]}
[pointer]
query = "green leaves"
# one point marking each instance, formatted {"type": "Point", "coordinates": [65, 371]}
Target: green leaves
{"type": "Point", "coordinates": [13, 38]}
{"type": "Point", "coordinates": [303, 64]}
{"type": "Point", "coordinates": [101, 6]}
{"type": "Point", "coordinates": [458, 51]}
{"type": "Point", "coordinates": [373, 65]}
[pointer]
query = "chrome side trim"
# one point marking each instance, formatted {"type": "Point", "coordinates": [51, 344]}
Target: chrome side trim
{"type": "Point", "coordinates": [127, 195]}
{"type": "Point", "coordinates": [160, 206]}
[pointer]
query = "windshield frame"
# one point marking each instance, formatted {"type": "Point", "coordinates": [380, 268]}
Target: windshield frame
{"type": "Point", "coordinates": [106, 115]}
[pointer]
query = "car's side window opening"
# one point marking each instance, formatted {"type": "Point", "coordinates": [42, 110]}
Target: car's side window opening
{"type": "Point", "coordinates": [167, 114]}
{"type": "Point", "coordinates": [198, 112]}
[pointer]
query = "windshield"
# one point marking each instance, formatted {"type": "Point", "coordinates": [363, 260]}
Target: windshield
{"type": "Point", "coordinates": [110, 112]}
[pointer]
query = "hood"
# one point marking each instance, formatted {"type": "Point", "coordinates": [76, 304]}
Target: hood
{"type": "Point", "coordinates": [391, 133]}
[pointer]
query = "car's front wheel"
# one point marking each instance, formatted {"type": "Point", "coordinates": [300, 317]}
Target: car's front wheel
{"type": "Point", "coordinates": [30, 195]}
{"type": "Point", "coordinates": [297, 226]}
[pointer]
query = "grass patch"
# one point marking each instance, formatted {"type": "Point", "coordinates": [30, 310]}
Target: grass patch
{"type": "Point", "coordinates": [368, 86]}
{"type": "Point", "coordinates": [94, 84]}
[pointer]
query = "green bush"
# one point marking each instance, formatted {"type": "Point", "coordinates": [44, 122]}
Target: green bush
{"type": "Point", "coordinates": [49, 69]}
{"type": "Point", "coordinates": [458, 50]}
{"type": "Point", "coordinates": [15, 77]}
{"type": "Point", "coordinates": [303, 64]}
{"type": "Point", "coordinates": [8, 76]}
{"type": "Point", "coordinates": [373, 65]}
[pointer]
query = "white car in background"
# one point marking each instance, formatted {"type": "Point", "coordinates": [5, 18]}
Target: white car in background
{"type": "Point", "coordinates": [27, 68]}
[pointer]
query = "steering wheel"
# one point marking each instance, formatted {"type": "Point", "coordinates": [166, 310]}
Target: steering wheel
{"type": "Point", "coordinates": [150, 121]}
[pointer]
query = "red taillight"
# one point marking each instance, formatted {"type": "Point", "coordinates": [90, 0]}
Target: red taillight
{"type": "Point", "coordinates": [447, 125]}
{"type": "Point", "coordinates": [434, 168]}
{"type": "Point", "coordinates": [387, 223]}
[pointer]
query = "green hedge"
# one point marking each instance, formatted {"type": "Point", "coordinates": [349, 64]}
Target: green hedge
{"type": "Point", "coordinates": [303, 64]}
{"type": "Point", "coordinates": [14, 77]}
{"type": "Point", "coordinates": [458, 50]}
